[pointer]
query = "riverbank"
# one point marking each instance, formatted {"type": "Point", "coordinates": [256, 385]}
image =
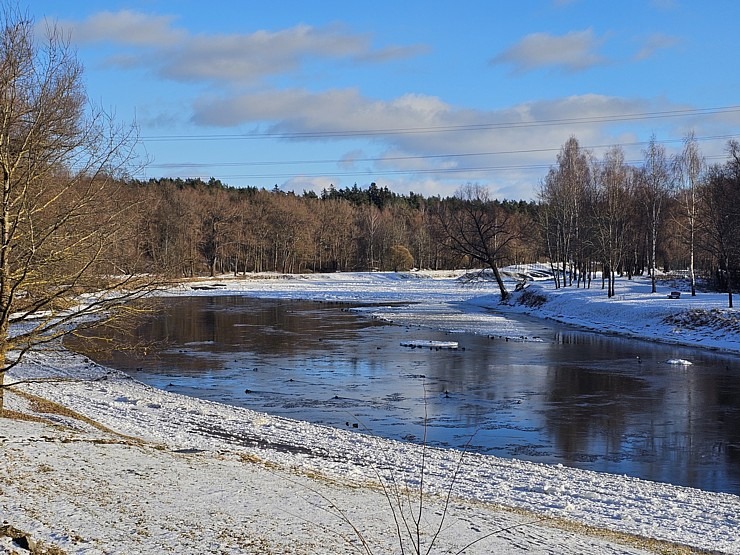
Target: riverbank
{"type": "Point", "coordinates": [125, 468]}
{"type": "Point", "coordinates": [634, 311]}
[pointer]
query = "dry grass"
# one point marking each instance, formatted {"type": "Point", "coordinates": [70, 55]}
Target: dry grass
{"type": "Point", "coordinates": [532, 298]}
{"type": "Point", "coordinates": [40, 407]}
{"type": "Point", "coordinates": [14, 415]}
{"type": "Point", "coordinates": [648, 544]}
{"type": "Point", "coordinates": [25, 541]}
{"type": "Point", "coordinates": [700, 318]}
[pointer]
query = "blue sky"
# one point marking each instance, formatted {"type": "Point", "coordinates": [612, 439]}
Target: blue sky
{"type": "Point", "coordinates": [419, 96]}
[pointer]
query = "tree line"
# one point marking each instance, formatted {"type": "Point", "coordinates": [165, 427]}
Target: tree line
{"type": "Point", "coordinates": [667, 213]}
{"type": "Point", "coordinates": [605, 216]}
{"type": "Point", "coordinates": [192, 227]}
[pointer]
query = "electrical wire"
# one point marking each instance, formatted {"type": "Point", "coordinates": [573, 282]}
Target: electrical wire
{"type": "Point", "coordinates": [448, 128]}
{"type": "Point", "coordinates": [646, 116]}
{"type": "Point", "coordinates": [459, 169]}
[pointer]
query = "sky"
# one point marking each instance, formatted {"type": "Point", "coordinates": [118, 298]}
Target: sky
{"type": "Point", "coordinates": [416, 96]}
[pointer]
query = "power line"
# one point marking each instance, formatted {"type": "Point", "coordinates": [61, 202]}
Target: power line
{"type": "Point", "coordinates": [196, 166]}
{"type": "Point", "coordinates": [427, 171]}
{"type": "Point", "coordinates": [447, 128]}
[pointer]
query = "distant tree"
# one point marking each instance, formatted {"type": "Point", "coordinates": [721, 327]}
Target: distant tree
{"type": "Point", "coordinates": [612, 213]}
{"type": "Point", "coordinates": [401, 259]}
{"type": "Point", "coordinates": [688, 168]}
{"type": "Point", "coordinates": [563, 207]}
{"type": "Point", "coordinates": [256, 220]}
{"type": "Point", "coordinates": [337, 235]}
{"type": "Point", "coordinates": [421, 240]}
{"type": "Point", "coordinates": [720, 217]}
{"type": "Point", "coordinates": [63, 208]}
{"type": "Point", "coordinates": [371, 224]}
{"type": "Point", "coordinates": [215, 213]}
{"type": "Point", "coordinates": [526, 245]}
{"type": "Point", "coordinates": [380, 196]}
{"type": "Point", "coordinates": [477, 228]}
{"type": "Point", "coordinates": [655, 180]}
{"type": "Point", "coordinates": [290, 225]}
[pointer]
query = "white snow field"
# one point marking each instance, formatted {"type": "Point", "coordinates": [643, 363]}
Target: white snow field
{"type": "Point", "coordinates": [111, 466]}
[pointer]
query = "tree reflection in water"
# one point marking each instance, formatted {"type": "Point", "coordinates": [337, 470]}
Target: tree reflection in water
{"type": "Point", "coordinates": [581, 399]}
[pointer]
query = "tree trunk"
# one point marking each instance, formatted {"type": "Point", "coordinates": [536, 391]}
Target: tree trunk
{"type": "Point", "coordinates": [5, 287]}
{"type": "Point", "coordinates": [654, 238]}
{"type": "Point", "coordinates": [499, 281]}
{"type": "Point", "coordinates": [729, 282]}
{"type": "Point", "coordinates": [692, 273]}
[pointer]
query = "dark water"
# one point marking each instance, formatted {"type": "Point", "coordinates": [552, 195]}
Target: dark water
{"type": "Point", "coordinates": [580, 399]}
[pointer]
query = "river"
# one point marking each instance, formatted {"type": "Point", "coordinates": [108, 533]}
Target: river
{"type": "Point", "coordinates": [559, 395]}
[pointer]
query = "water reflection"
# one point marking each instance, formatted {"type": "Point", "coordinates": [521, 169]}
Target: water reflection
{"type": "Point", "coordinates": [582, 399]}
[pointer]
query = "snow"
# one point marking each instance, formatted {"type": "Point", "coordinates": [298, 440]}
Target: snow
{"type": "Point", "coordinates": [119, 467]}
{"type": "Point", "coordinates": [430, 344]}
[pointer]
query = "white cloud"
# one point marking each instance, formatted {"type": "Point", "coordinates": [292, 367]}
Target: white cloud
{"type": "Point", "coordinates": [336, 112]}
{"type": "Point", "coordinates": [125, 27]}
{"type": "Point", "coordinates": [350, 159]}
{"type": "Point", "coordinates": [575, 51]}
{"type": "Point", "coordinates": [180, 55]}
{"type": "Point", "coordinates": [508, 149]}
{"type": "Point", "coordinates": [655, 42]}
{"type": "Point", "coordinates": [250, 57]}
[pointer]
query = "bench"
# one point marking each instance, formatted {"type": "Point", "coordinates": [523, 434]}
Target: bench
{"type": "Point", "coordinates": [674, 295]}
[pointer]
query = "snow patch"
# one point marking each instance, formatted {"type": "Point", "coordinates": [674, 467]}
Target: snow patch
{"type": "Point", "coordinates": [431, 344]}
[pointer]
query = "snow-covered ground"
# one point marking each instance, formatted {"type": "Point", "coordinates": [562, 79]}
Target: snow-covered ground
{"type": "Point", "coordinates": [119, 467]}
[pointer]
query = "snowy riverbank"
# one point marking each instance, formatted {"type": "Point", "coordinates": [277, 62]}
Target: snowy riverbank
{"type": "Point", "coordinates": [131, 469]}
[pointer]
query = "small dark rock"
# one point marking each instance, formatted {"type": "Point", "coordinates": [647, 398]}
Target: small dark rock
{"type": "Point", "coordinates": [24, 542]}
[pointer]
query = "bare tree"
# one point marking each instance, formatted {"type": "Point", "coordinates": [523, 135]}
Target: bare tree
{"type": "Point", "coordinates": [688, 170]}
{"type": "Point", "coordinates": [655, 182]}
{"type": "Point", "coordinates": [563, 198]}
{"type": "Point", "coordinates": [720, 217]}
{"type": "Point", "coordinates": [215, 213]}
{"type": "Point", "coordinates": [477, 228]}
{"type": "Point", "coordinates": [611, 213]}
{"type": "Point", "coordinates": [371, 224]}
{"type": "Point", "coordinates": [337, 234]}
{"type": "Point", "coordinates": [62, 208]}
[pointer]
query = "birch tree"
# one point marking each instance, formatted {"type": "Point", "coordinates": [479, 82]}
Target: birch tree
{"type": "Point", "coordinates": [563, 199]}
{"type": "Point", "coordinates": [688, 169]}
{"type": "Point", "coordinates": [612, 213]}
{"type": "Point", "coordinates": [655, 183]}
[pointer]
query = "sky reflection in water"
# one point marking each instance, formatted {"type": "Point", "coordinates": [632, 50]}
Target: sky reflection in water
{"type": "Point", "coordinates": [575, 398]}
